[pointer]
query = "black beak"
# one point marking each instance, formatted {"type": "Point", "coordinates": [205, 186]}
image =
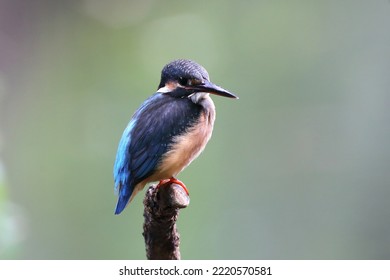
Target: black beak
{"type": "Point", "coordinates": [213, 89]}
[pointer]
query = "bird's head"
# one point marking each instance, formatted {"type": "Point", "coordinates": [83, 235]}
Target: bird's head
{"type": "Point", "coordinates": [185, 78]}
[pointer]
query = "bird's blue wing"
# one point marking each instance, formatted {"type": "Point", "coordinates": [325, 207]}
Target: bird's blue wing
{"type": "Point", "coordinates": [147, 138]}
{"type": "Point", "coordinates": [131, 165]}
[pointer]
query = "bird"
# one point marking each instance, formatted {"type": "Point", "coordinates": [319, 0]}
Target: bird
{"type": "Point", "coordinates": [167, 132]}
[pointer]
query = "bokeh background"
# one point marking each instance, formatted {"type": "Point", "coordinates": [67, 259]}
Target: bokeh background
{"type": "Point", "coordinates": [298, 167]}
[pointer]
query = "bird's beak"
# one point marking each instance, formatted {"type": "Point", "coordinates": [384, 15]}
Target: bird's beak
{"type": "Point", "coordinates": [213, 89]}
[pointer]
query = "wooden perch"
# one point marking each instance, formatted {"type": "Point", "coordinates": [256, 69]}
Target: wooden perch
{"type": "Point", "coordinates": [161, 209]}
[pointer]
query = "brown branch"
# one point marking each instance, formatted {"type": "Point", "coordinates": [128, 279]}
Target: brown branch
{"type": "Point", "coordinates": [161, 209]}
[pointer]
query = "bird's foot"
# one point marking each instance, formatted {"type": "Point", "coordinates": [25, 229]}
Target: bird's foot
{"type": "Point", "coordinates": [163, 182]}
{"type": "Point", "coordinates": [173, 180]}
{"type": "Point", "coordinates": [180, 183]}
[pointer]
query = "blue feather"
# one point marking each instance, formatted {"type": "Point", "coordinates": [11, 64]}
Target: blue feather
{"type": "Point", "coordinates": [122, 157]}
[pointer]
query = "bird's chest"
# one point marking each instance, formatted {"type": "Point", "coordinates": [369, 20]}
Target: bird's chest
{"type": "Point", "coordinates": [187, 146]}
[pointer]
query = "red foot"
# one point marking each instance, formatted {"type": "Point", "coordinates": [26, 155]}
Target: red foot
{"type": "Point", "coordinates": [180, 183]}
{"type": "Point", "coordinates": [163, 182]}
{"type": "Point", "coordinates": [173, 180]}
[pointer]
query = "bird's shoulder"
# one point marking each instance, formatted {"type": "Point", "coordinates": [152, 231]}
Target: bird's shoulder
{"type": "Point", "coordinates": [162, 116]}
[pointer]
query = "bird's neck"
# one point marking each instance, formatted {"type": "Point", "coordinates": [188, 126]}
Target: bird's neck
{"type": "Point", "coordinates": [198, 97]}
{"type": "Point", "coordinates": [203, 99]}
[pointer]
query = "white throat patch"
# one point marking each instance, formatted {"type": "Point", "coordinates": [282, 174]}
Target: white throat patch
{"type": "Point", "coordinates": [198, 96]}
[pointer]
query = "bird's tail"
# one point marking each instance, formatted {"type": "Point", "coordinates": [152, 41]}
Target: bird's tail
{"type": "Point", "coordinates": [122, 202]}
{"type": "Point", "coordinates": [125, 196]}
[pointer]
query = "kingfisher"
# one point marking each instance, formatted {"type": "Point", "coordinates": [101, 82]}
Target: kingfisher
{"type": "Point", "coordinates": [167, 132]}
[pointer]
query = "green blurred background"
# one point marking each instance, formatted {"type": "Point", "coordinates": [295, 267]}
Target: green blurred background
{"type": "Point", "coordinates": [298, 168]}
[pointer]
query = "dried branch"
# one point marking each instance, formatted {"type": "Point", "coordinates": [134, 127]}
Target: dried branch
{"type": "Point", "coordinates": [161, 209]}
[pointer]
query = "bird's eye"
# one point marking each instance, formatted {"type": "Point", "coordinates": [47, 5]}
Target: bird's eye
{"type": "Point", "coordinates": [183, 81]}
{"type": "Point", "coordinates": [189, 82]}
{"type": "Point", "coordinates": [194, 82]}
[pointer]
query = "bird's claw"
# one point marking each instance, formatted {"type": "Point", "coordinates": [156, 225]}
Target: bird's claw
{"type": "Point", "coordinates": [173, 180]}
